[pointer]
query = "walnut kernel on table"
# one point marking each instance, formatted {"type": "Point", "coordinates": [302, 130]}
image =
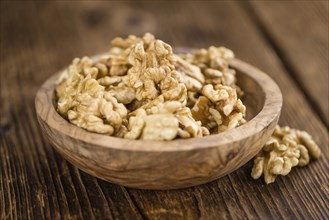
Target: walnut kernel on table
{"type": "Point", "coordinates": [141, 89]}
{"type": "Point", "coordinates": [285, 149]}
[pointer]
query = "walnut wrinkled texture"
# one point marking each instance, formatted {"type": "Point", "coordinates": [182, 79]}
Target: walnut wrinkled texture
{"type": "Point", "coordinates": [95, 109]}
{"type": "Point", "coordinates": [164, 121]}
{"type": "Point", "coordinates": [285, 149]}
{"type": "Point", "coordinates": [142, 90]}
{"type": "Point", "coordinates": [214, 64]}
{"type": "Point", "coordinates": [152, 71]}
{"type": "Point", "coordinates": [219, 108]}
{"type": "Point", "coordinates": [156, 123]}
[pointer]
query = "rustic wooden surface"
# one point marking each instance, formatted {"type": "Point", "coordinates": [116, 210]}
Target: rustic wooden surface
{"type": "Point", "coordinates": [39, 38]}
{"type": "Point", "coordinates": [305, 58]}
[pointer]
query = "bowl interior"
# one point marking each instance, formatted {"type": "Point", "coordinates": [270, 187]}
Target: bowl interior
{"type": "Point", "coordinates": [253, 98]}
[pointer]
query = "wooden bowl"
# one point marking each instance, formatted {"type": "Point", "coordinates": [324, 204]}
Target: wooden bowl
{"type": "Point", "coordinates": [166, 164]}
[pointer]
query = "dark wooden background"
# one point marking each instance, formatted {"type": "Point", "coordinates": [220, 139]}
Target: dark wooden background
{"type": "Point", "coordinates": [286, 39]}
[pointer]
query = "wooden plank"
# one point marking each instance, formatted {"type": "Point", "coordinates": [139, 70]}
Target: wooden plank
{"type": "Point", "coordinates": [36, 182]}
{"type": "Point", "coordinates": [299, 32]}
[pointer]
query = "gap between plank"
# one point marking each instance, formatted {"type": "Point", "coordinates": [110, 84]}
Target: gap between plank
{"type": "Point", "coordinates": [292, 72]}
{"type": "Point", "coordinates": [132, 199]}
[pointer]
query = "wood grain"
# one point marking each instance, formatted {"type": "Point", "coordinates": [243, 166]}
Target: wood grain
{"type": "Point", "coordinates": [299, 31]}
{"type": "Point", "coordinates": [35, 182]}
{"type": "Point", "coordinates": [166, 164]}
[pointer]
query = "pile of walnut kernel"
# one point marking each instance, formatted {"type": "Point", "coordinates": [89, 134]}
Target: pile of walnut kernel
{"type": "Point", "coordinates": [285, 149]}
{"type": "Point", "coordinates": [142, 90]}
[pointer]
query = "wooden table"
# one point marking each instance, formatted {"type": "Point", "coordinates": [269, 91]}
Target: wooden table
{"type": "Point", "coordinates": [286, 39]}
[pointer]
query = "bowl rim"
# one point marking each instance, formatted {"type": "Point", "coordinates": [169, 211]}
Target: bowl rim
{"type": "Point", "coordinates": [269, 112]}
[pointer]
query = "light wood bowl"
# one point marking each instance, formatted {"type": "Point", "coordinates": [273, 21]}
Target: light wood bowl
{"type": "Point", "coordinates": [166, 164]}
